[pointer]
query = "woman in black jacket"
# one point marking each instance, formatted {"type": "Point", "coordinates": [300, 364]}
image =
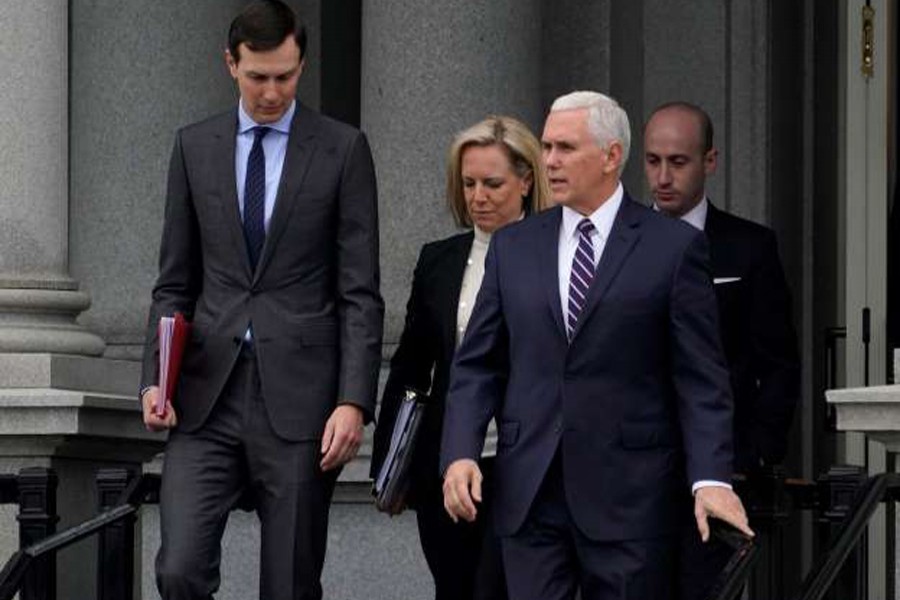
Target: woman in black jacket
{"type": "Point", "coordinates": [494, 177]}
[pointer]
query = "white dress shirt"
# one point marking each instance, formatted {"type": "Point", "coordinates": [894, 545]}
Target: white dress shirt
{"type": "Point", "coordinates": [274, 147]}
{"type": "Point", "coordinates": [471, 282]}
{"type": "Point", "coordinates": [602, 218]}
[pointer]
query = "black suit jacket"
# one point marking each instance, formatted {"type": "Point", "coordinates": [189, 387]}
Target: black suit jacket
{"type": "Point", "coordinates": [423, 357]}
{"type": "Point", "coordinates": [313, 299]}
{"type": "Point", "coordinates": [757, 333]}
{"type": "Point", "coordinates": [638, 404]}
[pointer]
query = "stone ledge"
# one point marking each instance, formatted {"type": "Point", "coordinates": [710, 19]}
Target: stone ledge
{"type": "Point", "coordinates": [53, 422]}
{"type": "Point", "coordinates": [63, 397]}
{"type": "Point", "coordinates": [874, 411]}
{"type": "Point", "coordinates": [70, 372]}
{"type": "Point", "coordinates": [872, 394]}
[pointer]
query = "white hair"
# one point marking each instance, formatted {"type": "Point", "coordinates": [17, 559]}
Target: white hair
{"type": "Point", "coordinates": [607, 122]}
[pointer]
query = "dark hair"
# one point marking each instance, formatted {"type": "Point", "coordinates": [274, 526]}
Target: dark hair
{"type": "Point", "coordinates": [263, 25]}
{"type": "Point", "coordinates": [706, 127]}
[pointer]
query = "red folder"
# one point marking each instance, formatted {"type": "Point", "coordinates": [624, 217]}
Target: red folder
{"type": "Point", "coordinates": [174, 333]}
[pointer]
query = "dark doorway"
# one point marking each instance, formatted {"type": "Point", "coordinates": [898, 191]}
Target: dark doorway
{"type": "Point", "coordinates": [341, 59]}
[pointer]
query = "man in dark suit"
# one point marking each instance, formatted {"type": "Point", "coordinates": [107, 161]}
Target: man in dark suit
{"type": "Point", "coordinates": [270, 247]}
{"type": "Point", "coordinates": [754, 306]}
{"type": "Point", "coordinates": [604, 370]}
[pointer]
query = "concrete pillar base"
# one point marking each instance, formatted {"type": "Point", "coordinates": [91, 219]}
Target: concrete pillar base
{"type": "Point", "coordinates": [44, 320]}
{"type": "Point", "coordinates": [76, 415]}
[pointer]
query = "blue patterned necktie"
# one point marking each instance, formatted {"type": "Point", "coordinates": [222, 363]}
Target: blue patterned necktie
{"type": "Point", "coordinates": [582, 274]}
{"type": "Point", "coordinates": [255, 197]}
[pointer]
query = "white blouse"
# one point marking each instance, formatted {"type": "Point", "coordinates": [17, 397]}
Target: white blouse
{"type": "Point", "coordinates": [471, 283]}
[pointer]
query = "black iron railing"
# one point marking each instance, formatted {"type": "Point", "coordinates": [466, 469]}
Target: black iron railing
{"type": "Point", "coordinates": [120, 498]}
{"type": "Point", "coordinates": [844, 500]}
{"type": "Point", "coordinates": [34, 490]}
{"type": "Point", "coordinates": [882, 488]}
{"type": "Point", "coordinates": [731, 583]}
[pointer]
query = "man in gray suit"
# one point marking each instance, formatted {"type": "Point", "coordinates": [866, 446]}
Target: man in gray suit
{"type": "Point", "coordinates": [270, 247]}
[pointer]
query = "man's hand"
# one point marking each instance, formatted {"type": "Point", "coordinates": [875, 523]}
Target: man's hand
{"type": "Point", "coordinates": [462, 488]}
{"type": "Point", "coordinates": [722, 503]}
{"type": "Point", "coordinates": [342, 437]}
{"type": "Point", "coordinates": [153, 421]}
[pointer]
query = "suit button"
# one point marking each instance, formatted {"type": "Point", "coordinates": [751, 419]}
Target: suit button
{"type": "Point", "coordinates": [558, 427]}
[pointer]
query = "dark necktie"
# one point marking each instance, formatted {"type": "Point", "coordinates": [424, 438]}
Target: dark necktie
{"type": "Point", "coordinates": [255, 197]}
{"type": "Point", "coordinates": [582, 274]}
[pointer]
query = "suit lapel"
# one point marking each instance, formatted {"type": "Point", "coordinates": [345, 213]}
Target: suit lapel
{"type": "Point", "coordinates": [548, 259]}
{"type": "Point", "coordinates": [624, 234]}
{"type": "Point", "coordinates": [224, 143]}
{"type": "Point", "coordinates": [712, 228]}
{"type": "Point", "coordinates": [300, 149]}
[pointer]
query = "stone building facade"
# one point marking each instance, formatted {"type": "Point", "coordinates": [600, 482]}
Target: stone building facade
{"type": "Point", "coordinates": [93, 91]}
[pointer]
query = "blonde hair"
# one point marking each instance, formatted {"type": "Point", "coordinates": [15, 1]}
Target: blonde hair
{"type": "Point", "coordinates": [519, 144]}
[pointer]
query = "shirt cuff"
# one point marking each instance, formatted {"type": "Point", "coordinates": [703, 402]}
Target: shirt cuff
{"type": "Point", "coordinates": [709, 483]}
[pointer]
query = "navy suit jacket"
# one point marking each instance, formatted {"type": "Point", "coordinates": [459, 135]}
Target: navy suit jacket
{"type": "Point", "coordinates": [638, 404]}
{"type": "Point", "coordinates": [757, 334]}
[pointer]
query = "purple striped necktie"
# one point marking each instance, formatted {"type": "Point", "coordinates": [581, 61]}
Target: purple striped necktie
{"type": "Point", "coordinates": [582, 274]}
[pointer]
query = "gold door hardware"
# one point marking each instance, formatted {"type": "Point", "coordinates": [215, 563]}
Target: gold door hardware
{"type": "Point", "coordinates": [868, 41]}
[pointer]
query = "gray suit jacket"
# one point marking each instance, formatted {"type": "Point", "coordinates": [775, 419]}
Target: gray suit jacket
{"type": "Point", "coordinates": [313, 300]}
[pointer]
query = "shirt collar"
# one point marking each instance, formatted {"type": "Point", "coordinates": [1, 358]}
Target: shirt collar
{"type": "Point", "coordinates": [602, 218]}
{"type": "Point", "coordinates": [282, 125]}
{"type": "Point", "coordinates": [696, 216]}
{"type": "Point", "coordinates": [483, 236]}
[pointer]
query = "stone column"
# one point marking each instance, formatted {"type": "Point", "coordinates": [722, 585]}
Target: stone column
{"type": "Point", "coordinates": [429, 70]}
{"type": "Point", "coordinates": [132, 87]}
{"type": "Point", "coordinates": [38, 300]}
{"type": "Point", "coordinates": [51, 414]}
{"type": "Point", "coordinates": [43, 421]}
{"type": "Point", "coordinates": [686, 54]}
{"type": "Point", "coordinates": [715, 55]}
{"type": "Point", "coordinates": [577, 48]}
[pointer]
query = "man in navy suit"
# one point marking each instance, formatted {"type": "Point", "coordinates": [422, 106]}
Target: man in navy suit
{"type": "Point", "coordinates": [604, 370]}
{"type": "Point", "coordinates": [754, 308]}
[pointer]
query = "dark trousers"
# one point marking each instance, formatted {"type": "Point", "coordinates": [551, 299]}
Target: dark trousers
{"type": "Point", "coordinates": [204, 475]}
{"type": "Point", "coordinates": [550, 559]}
{"type": "Point", "coordinates": [464, 558]}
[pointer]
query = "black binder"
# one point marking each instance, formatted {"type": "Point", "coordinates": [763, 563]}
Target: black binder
{"type": "Point", "coordinates": [733, 578]}
{"type": "Point", "coordinates": [392, 482]}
